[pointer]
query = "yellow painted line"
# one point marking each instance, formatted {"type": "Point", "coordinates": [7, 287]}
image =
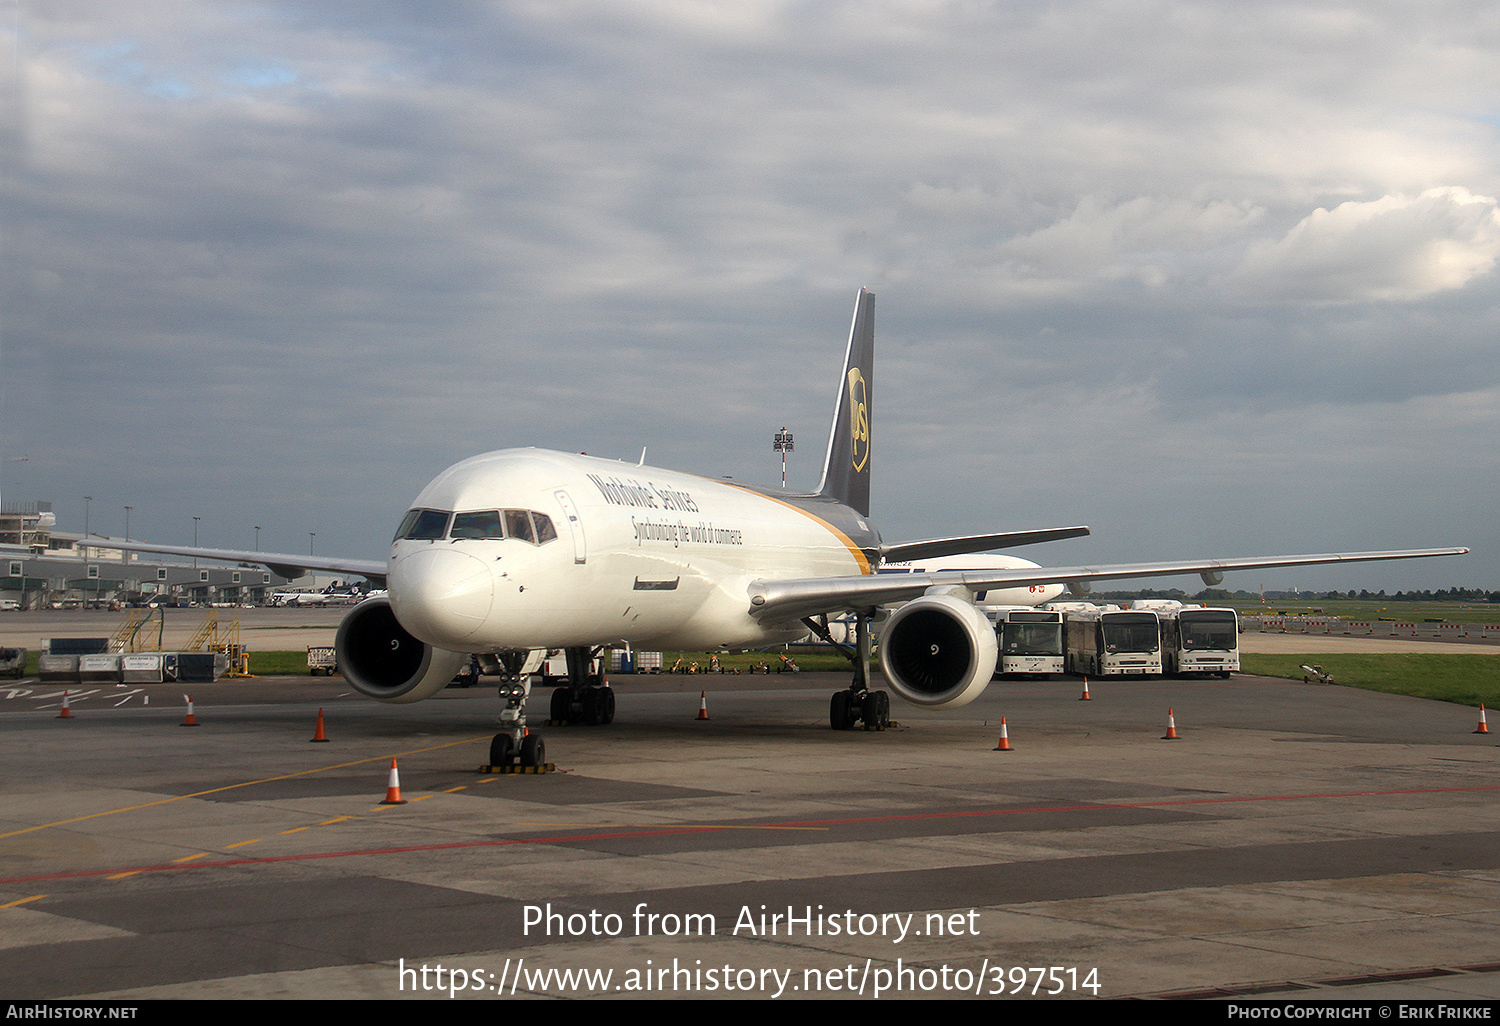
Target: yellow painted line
{"type": "Point", "coordinates": [23, 901]}
{"type": "Point", "coordinates": [336, 819]}
{"type": "Point", "coordinates": [189, 858]}
{"type": "Point", "coordinates": [486, 780]}
{"type": "Point", "coordinates": [241, 844]}
{"type": "Point", "coordinates": [460, 787]}
{"type": "Point", "coordinates": [246, 783]}
{"type": "Point", "coordinates": [421, 798]}
{"type": "Point", "coordinates": [295, 830]}
{"type": "Point", "coordinates": [121, 876]}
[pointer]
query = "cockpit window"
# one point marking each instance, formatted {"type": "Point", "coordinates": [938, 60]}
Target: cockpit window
{"type": "Point", "coordinates": [424, 525]}
{"type": "Point", "coordinates": [518, 525]}
{"type": "Point", "coordinates": [545, 532]}
{"type": "Point", "coordinates": [436, 524]}
{"type": "Point", "coordinates": [477, 525]}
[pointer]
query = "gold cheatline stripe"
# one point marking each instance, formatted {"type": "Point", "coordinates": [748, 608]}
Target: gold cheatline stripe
{"type": "Point", "coordinates": [864, 564]}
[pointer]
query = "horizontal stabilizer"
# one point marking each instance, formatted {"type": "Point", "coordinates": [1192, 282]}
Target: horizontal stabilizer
{"type": "Point", "coordinates": [934, 547]}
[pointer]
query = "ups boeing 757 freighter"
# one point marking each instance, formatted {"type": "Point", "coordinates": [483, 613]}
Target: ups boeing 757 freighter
{"type": "Point", "coordinates": [525, 549]}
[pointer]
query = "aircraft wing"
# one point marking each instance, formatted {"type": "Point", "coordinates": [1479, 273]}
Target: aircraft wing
{"type": "Point", "coordinates": [934, 547]}
{"type": "Point", "coordinates": [283, 563]}
{"type": "Point", "coordinates": [795, 599]}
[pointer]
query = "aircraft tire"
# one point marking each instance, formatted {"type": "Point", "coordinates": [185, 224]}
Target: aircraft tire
{"type": "Point", "coordinates": [500, 750]}
{"type": "Point", "coordinates": [533, 750]}
{"type": "Point", "coordinates": [841, 711]}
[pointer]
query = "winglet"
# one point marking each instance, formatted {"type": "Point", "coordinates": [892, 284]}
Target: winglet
{"type": "Point", "coordinates": [846, 470]}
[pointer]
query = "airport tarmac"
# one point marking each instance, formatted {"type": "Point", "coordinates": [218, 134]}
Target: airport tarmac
{"type": "Point", "coordinates": [1295, 842]}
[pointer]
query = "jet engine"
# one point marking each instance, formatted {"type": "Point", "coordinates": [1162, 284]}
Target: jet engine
{"type": "Point", "coordinates": [377, 655]}
{"type": "Point", "coordinates": [938, 651]}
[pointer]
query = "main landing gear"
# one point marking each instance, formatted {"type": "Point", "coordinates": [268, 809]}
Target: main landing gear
{"type": "Point", "coordinates": [587, 697]}
{"type": "Point", "coordinates": [515, 742]}
{"type": "Point", "coordinates": [858, 703]}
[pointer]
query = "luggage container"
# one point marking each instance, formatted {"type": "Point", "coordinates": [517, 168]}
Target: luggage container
{"type": "Point", "coordinates": [201, 667]}
{"type": "Point", "coordinates": [58, 669]}
{"type": "Point", "coordinates": [141, 669]}
{"type": "Point", "coordinates": [99, 669]}
{"type": "Point", "coordinates": [322, 659]}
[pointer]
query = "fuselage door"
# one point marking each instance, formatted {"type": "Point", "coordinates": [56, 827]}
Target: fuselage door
{"type": "Point", "coordinates": [570, 511]}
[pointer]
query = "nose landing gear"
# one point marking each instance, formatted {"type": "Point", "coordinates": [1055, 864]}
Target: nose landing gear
{"type": "Point", "coordinates": [516, 748]}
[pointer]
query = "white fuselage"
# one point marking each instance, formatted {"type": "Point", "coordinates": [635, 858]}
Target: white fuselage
{"type": "Point", "coordinates": [641, 555]}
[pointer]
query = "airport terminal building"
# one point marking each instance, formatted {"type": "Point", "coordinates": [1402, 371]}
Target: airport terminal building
{"type": "Point", "coordinates": [42, 568]}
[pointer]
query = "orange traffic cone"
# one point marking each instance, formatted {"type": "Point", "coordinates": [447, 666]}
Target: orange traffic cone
{"type": "Point", "coordinates": [1484, 728]}
{"type": "Point", "coordinates": [1004, 745]}
{"type": "Point", "coordinates": [1171, 734]}
{"type": "Point", "coordinates": [703, 705]}
{"type": "Point", "coordinates": [66, 713]}
{"type": "Point", "coordinates": [189, 722]}
{"type": "Point", "coordinates": [318, 734]}
{"type": "Point", "coordinates": [393, 787]}
{"type": "Point", "coordinates": [1085, 696]}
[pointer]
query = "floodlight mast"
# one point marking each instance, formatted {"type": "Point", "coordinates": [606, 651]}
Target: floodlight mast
{"type": "Point", "coordinates": [783, 445]}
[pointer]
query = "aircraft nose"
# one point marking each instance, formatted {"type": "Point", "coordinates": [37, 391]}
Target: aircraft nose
{"type": "Point", "coordinates": [440, 595]}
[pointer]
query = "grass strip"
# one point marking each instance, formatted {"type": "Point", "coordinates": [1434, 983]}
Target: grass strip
{"type": "Point", "coordinates": [1461, 678]}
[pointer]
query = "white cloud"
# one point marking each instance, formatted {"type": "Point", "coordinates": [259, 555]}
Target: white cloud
{"type": "Point", "coordinates": [1393, 248]}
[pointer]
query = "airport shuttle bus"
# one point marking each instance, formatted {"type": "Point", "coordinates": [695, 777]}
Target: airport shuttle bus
{"type": "Point", "coordinates": [1112, 642]}
{"type": "Point", "coordinates": [1197, 640]}
{"type": "Point", "coordinates": [1031, 641]}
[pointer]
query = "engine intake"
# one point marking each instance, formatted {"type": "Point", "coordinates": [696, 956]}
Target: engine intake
{"type": "Point", "coordinates": [938, 651]}
{"type": "Point", "coordinates": [377, 655]}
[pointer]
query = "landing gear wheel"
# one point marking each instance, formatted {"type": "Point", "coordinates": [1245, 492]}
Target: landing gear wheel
{"type": "Point", "coordinates": [841, 711]}
{"type": "Point", "coordinates": [598, 705]}
{"type": "Point", "coordinates": [533, 751]}
{"type": "Point", "coordinates": [500, 750]}
{"type": "Point", "coordinates": [875, 710]}
{"type": "Point", "coordinates": [561, 699]}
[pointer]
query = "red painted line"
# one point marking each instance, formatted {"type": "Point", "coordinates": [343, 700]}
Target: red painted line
{"type": "Point", "coordinates": [671, 831]}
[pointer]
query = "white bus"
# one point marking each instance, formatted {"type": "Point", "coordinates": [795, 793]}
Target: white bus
{"type": "Point", "coordinates": [1195, 639]}
{"type": "Point", "coordinates": [1030, 641]}
{"type": "Point", "coordinates": [1112, 642]}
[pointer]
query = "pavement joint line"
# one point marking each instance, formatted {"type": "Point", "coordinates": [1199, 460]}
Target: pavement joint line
{"type": "Point", "coordinates": [669, 830]}
{"type": "Point", "coordinates": [651, 826]}
{"type": "Point", "coordinates": [245, 783]}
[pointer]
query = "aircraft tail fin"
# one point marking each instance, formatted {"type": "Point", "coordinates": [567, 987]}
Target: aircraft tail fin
{"type": "Point", "coordinates": [846, 470]}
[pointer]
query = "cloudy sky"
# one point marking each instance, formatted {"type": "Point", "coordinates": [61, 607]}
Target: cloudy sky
{"type": "Point", "coordinates": [1216, 280]}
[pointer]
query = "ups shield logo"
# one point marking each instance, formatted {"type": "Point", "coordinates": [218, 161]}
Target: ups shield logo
{"type": "Point", "coordinates": [859, 420]}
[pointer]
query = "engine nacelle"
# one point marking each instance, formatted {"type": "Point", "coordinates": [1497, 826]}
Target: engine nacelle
{"type": "Point", "coordinates": [377, 655]}
{"type": "Point", "coordinates": [938, 651]}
